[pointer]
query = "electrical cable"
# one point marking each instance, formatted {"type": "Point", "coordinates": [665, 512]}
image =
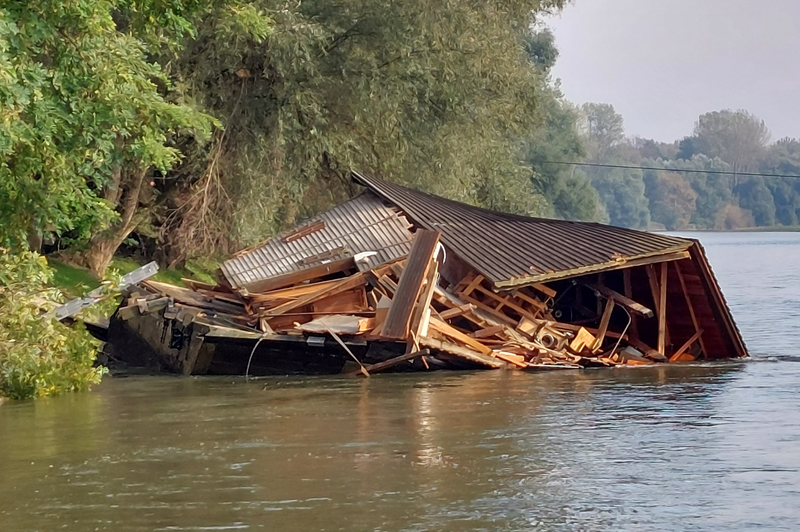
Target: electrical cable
{"type": "Point", "coordinates": [688, 171]}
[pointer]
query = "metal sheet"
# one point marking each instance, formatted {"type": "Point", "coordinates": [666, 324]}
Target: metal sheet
{"type": "Point", "coordinates": [512, 250]}
{"type": "Point", "coordinates": [362, 224]}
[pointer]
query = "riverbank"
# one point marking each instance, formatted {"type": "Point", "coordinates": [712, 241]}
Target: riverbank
{"type": "Point", "coordinates": [75, 281]}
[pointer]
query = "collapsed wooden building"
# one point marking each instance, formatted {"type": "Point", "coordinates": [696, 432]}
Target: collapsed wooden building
{"type": "Point", "coordinates": [399, 280]}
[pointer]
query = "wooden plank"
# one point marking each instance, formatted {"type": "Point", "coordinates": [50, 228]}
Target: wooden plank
{"type": "Point", "coordinates": [691, 308]}
{"type": "Point", "coordinates": [348, 283]}
{"type": "Point", "coordinates": [583, 340]}
{"type": "Point", "coordinates": [546, 290]}
{"type": "Point", "coordinates": [576, 328]}
{"type": "Point", "coordinates": [419, 323]}
{"type": "Point", "coordinates": [197, 285]}
{"type": "Point", "coordinates": [476, 282]}
{"type": "Point", "coordinates": [398, 320]}
{"type": "Point", "coordinates": [297, 277]}
{"type": "Point", "coordinates": [292, 292]}
{"type": "Point", "coordinates": [454, 333]}
{"type": "Point", "coordinates": [505, 301]}
{"type": "Point", "coordinates": [489, 331]}
{"type": "Point", "coordinates": [620, 299]}
{"type": "Point", "coordinates": [677, 356]}
{"type": "Point", "coordinates": [511, 358]}
{"type": "Point", "coordinates": [652, 278]}
{"type": "Point", "coordinates": [348, 302]}
{"type": "Point", "coordinates": [530, 300]}
{"type": "Point", "coordinates": [463, 352]}
{"type": "Point", "coordinates": [604, 321]}
{"type": "Point", "coordinates": [662, 311]}
{"type": "Point", "coordinates": [457, 311]}
{"type": "Point", "coordinates": [339, 324]}
{"type": "Point", "coordinates": [386, 364]}
{"type": "Point", "coordinates": [486, 308]}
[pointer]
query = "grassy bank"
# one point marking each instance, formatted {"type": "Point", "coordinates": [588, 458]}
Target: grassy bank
{"type": "Point", "coordinates": [75, 281]}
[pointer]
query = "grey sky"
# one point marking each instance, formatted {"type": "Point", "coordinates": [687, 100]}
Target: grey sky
{"type": "Point", "coordinates": [662, 63]}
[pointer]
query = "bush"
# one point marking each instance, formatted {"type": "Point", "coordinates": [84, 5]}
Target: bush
{"type": "Point", "coordinates": [38, 355]}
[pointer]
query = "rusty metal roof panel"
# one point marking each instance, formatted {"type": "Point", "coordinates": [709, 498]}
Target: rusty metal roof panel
{"type": "Point", "coordinates": [362, 224]}
{"type": "Point", "coordinates": [512, 250]}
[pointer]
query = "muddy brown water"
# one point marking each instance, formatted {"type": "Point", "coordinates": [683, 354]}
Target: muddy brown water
{"type": "Point", "coordinates": [697, 447]}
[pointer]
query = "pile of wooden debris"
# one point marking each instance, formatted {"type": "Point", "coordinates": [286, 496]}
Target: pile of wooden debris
{"type": "Point", "coordinates": [406, 302]}
{"type": "Point", "coordinates": [399, 279]}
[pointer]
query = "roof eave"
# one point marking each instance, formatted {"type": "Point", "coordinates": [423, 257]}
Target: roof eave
{"type": "Point", "coordinates": [676, 253]}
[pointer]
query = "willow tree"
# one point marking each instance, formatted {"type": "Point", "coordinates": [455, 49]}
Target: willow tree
{"type": "Point", "coordinates": [430, 94]}
{"type": "Point", "coordinates": [84, 122]}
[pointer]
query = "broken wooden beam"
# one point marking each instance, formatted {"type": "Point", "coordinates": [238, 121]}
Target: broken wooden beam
{"type": "Point", "coordinates": [463, 352]}
{"type": "Point", "coordinates": [386, 364]}
{"type": "Point", "coordinates": [398, 319]}
{"type": "Point", "coordinates": [622, 300]}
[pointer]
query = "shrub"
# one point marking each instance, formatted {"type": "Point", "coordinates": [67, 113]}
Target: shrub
{"type": "Point", "coordinates": [39, 355]}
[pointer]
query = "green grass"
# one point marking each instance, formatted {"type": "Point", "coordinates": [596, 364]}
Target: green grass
{"type": "Point", "coordinates": [75, 281]}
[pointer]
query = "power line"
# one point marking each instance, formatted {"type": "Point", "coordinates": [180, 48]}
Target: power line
{"type": "Point", "coordinates": [688, 171]}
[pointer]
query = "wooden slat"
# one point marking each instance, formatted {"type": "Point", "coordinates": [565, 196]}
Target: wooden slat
{"type": "Point", "coordinates": [486, 308]}
{"type": "Point", "coordinates": [489, 331]}
{"type": "Point", "coordinates": [686, 346]}
{"type": "Point", "coordinates": [476, 282]}
{"type": "Point", "coordinates": [344, 285]}
{"type": "Point", "coordinates": [454, 333]}
{"type": "Point", "coordinates": [293, 278]}
{"type": "Point", "coordinates": [398, 320]}
{"type": "Point", "coordinates": [625, 301]}
{"type": "Point", "coordinates": [691, 308]}
{"type": "Point", "coordinates": [662, 311]}
{"type": "Point", "coordinates": [304, 231]}
{"type": "Point", "coordinates": [505, 301]}
{"type": "Point", "coordinates": [603, 328]}
{"type": "Point", "coordinates": [386, 364]}
{"type": "Point", "coordinates": [546, 290]}
{"type": "Point", "coordinates": [457, 311]}
{"type": "Point", "coordinates": [419, 323]}
{"type": "Point", "coordinates": [463, 352]}
{"type": "Point", "coordinates": [292, 292]}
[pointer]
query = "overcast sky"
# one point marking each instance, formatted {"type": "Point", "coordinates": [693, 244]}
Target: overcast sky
{"type": "Point", "coordinates": [662, 63]}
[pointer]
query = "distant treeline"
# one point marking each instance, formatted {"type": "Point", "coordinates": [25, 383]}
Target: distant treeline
{"type": "Point", "coordinates": [700, 186]}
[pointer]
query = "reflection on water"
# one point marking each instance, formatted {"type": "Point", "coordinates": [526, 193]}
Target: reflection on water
{"type": "Point", "coordinates": [700, 447]}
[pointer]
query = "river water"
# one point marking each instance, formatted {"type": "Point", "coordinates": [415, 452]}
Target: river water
{"type": "Point", "coordinates": [697, 447]}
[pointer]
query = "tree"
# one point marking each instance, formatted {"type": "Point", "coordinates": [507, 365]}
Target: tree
{"type": "Point", "coordinates": [737, 137]}
{"type": "Point", "coordinates": [671, 198]}
{"type": "Point", "coordinates": [603, 129]}
{"type": "Point", "coordinates": [756, 197]}
{"type": "Point", "coordinates": [568, 192]}
{"type": "Point", "coordinates": [38, 355]}
{"type": "Point", "coordinates": [83, 123]}
{"type": "Point", "coordinates": [622, 191]}
{"type": "Point", "coordinates": [430, 97]}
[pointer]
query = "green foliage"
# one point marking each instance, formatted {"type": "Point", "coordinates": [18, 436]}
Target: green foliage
{"type": "Point", "coordinates": [79, 101]}
{"type": "Point", "coordinates": [38, 355]}
{"type": "Point", "coordinates": [569, 193]}
{"type": "Point", "coordinates": [430, 95]}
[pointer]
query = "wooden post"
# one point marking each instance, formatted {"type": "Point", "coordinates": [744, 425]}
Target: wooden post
{"type": "Point", "coordinates": [606, 319]}
{"type": "Point", "coordinates": [420, 259]}
{"type": "Point", "coordinates": [662, 311]}
{"type": "Point", "coordinates": [628, 289]}
{"type": "Point", "coordinates": [691, 309]}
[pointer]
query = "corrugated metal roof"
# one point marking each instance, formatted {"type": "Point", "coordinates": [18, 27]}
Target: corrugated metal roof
{"type": "Point", "coordinates": [511, 250]}
{"type": "Point", "coordinates": [360, 225]}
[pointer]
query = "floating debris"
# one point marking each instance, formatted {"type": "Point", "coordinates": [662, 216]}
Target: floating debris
{"type": "Point", "coordinates": [398, 280]}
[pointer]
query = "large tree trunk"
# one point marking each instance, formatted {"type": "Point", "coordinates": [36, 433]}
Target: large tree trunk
{"type": "Point", "coordinates": [102, 246]}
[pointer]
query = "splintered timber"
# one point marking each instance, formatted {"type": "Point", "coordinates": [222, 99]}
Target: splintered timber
{"type": "Point", "coordinates": [398, 280]}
